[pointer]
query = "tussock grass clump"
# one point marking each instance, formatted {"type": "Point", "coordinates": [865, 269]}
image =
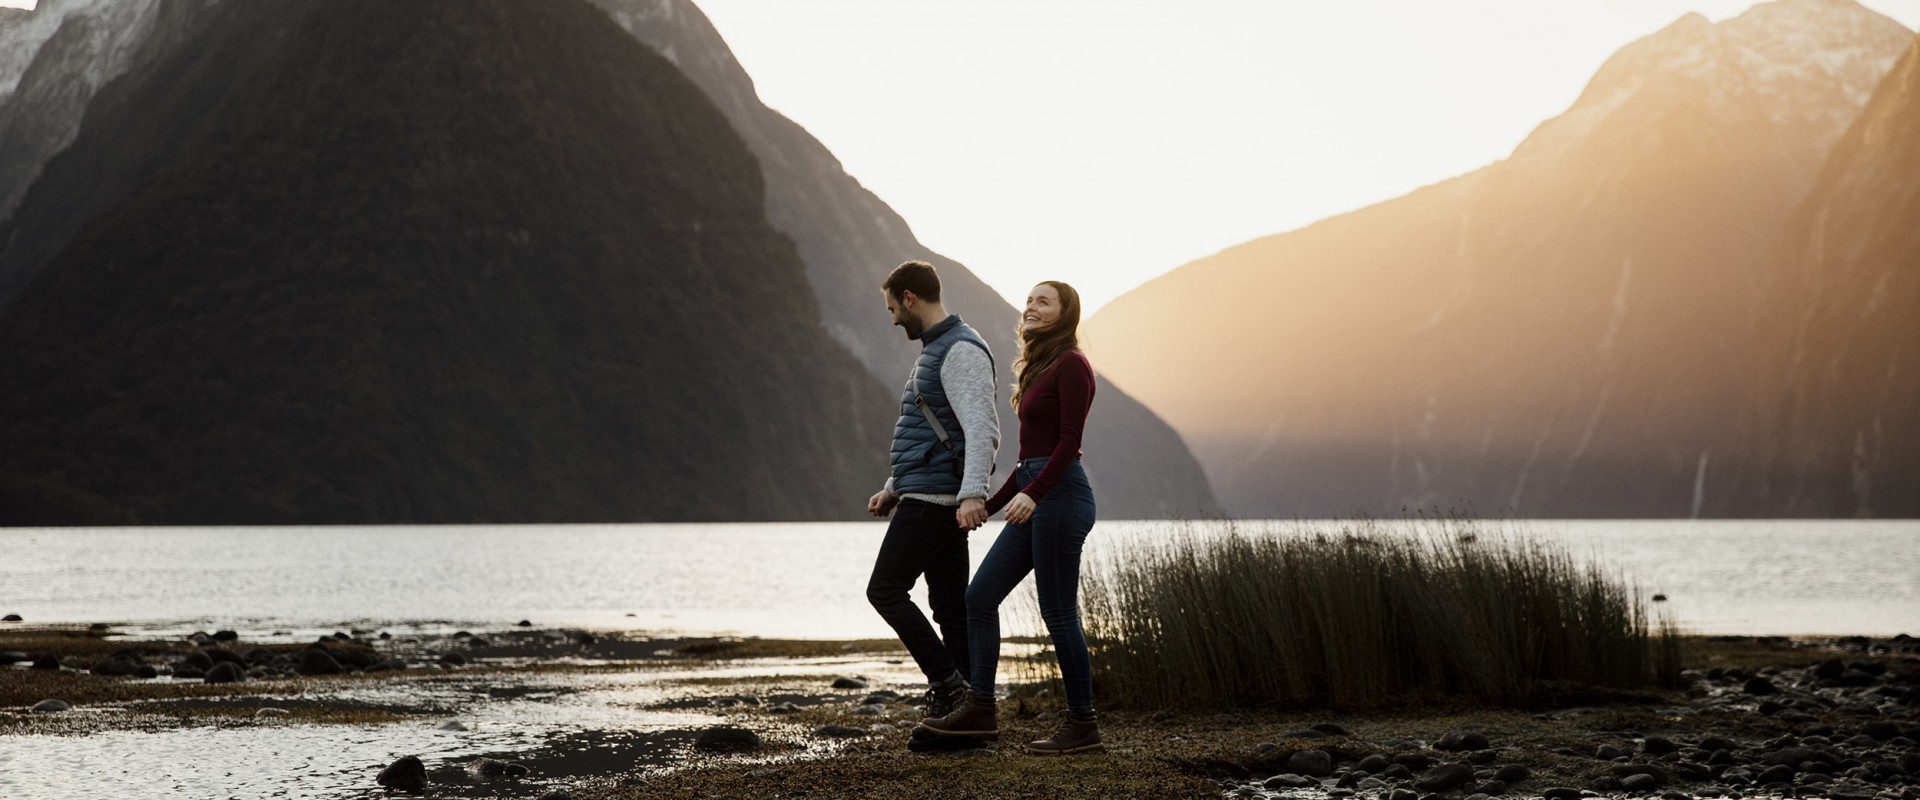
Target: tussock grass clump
{"type": "Point", "coordinates": [1362, 616]}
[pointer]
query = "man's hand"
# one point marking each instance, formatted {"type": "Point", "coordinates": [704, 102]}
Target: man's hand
{"type": "Point", "coordinates": [1021, 509]}
{"type": "Point", "coordinates": [882, 503]}
{"type": "Point", "coordinates": [972, 513]}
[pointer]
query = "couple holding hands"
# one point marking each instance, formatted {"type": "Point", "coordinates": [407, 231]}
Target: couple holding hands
{"type": "Point", "coordinates": [942, 459]}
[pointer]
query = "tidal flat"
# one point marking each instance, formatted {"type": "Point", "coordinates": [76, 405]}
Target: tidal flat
{"type": "Point", "coordinates": [529, 712]}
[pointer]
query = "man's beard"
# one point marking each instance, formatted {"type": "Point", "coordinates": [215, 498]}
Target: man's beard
{"type": "Point", "coordinates": [914, 327]}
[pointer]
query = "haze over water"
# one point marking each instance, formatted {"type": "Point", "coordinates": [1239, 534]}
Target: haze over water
{"type": "Point", "coordinates": [808, 579]}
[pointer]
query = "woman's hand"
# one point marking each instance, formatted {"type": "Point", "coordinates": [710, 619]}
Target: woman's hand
{"type": "Point", "coordinates": [1020, 509]}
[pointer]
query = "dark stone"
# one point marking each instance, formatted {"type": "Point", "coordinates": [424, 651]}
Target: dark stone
{"type": "Point", "coordinates": [46, 661]}
{"type": "Point", "coordinates": [189, 673]}
{"type": "Point", "coordinates": [1303, 733]}
{"type": "Point", "coordinates": [12, 618]}
{"type": "Point", "coordinates": [516, 769]}
{"type": "Point", "coordinates": [453, 659]}
{"type": "Point", "coordinates": [524, 624]}
{"type": "Point", "coordinates": [1413, 761]}
{"type": "Point", "coordinates": [1290, 781]}
{"type": "Point", "coordinates": [1403, 794]}
{"type": "Point", "coordinates": [479, 641]}
{"type": "Point", "coordinates": [488, 768]}
{"type": "Point", "coordinates": [1716, 742]}
{"type": "Point", "coordinates": [406, 774]}
{"type": "Point", "coordinates": [1482, 757]}
{"type": "Point", "coordinates": [1461, 741]}
{"type": "Point", "coordinates": [13, 657]}
{"type": "Point", "coordinates": [49, 706]}
{"type": "Point", "coordinates": [556, 794]}
{"type": "Point", "coordinates": [1607, 752]}
{"type": "Point", "coordinates": [1875, 668]}
{"type": "Point", "coordinates": [1778, 773]}
{"type": "Point", "coordinates": [1491, 788]}
{"type": "Point", "coordinates": [1398, 772]}
{"type": "Point", "coordinates": [838, 732]}
{"type": "Point", "coordinates": [1855, 678]}
{"type": "Point", "coordinates": [225, 636]}
{"type": "Point", "coordinates": [844, 682]}
{"type": "Point", "coordinates": [1330, 729]}
{"type": "Point", "coordinates": [1561, 793]}
{"type": "Point", "coordinates": [1760, 686]}
{"type": "Point", "coordinates": [1374, 764]}
{"type": "Point", "coordinates": [1317, 763]}
{"type": "Point", "coordinates": [1909, 763]}
{"type": "Point", "coordinates": [1829, 669]}
{"type": "Point", "coordinates": [1443, 777]}
{"type": "Point", "coordinates": [1658, 745]}
{"type": "Point", "coordinates": [146, 671]}
{"type": "Point", "coordinates": [1791, 756]}
{"type": "Point", "coordinates": [115, 668]}
{"type": "Point", "coordinates": [223, 655]}
{"type": "Point", "coordinates": [1512, 773]}
{"type": "Point", "coordinates": [1654, 771]}
{"type": "Point", "coordinates": [726, 739]}
{"type": "Point", "coordinates": [1770, 708]}
{"type": "Point", "coordinates": [1606, 783]}
{"type": "Point", "coordinates": [224, 672]}
{"type": "Point", "coordinates": [316, 661]}
{"type": "Point", "coordinates": [198, 660]}
{"type": "Point", "coordinates": [1688, 770]}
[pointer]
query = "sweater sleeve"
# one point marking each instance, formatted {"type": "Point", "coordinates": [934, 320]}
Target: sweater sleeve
{"type": "Point", "coordinates": [1001, 498]}
{"type": "Point", "coordinates": [967, 376]}
{"type": "Point", "coordinates": [1075, 381]}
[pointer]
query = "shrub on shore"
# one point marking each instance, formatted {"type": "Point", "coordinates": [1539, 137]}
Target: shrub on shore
{"type": "Point", "coordinates": [1362, 616]}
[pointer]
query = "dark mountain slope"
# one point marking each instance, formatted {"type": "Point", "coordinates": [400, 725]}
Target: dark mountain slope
{"type": "Point", "coordinates": [850, 239]}
{"type": "Point", "coordinates": [365, 261]}
{"type": "Point", "coordinates": [1844, 435]}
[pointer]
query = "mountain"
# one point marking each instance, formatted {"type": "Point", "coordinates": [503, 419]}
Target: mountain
{"type": "Point", "coordinates": [337, 261]}
{"type": "Point", "coordinates": [1571, 331]}
{"type": "Point", "coordinates": [847, 237]}
{"type": "Point", "coordinates": [1840, 438]}
{"type": "Point", "coordinates": [53, 63]}
{"type": "Point", "coordinates": [850, 239]}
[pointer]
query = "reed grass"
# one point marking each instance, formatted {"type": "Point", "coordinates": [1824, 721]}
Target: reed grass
{"type": "Point", "coordinates": [1362, 616]}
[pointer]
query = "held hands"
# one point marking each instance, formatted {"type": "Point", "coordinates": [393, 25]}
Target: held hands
{"type": "Point", "coordinates": [882, 503]}
{"type": "Point", "coordinates": [1020, 509]}
{"type": "Point", "coordinates": [972, 513]}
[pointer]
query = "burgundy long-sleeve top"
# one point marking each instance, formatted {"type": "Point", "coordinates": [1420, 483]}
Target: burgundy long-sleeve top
{"type": "Point", "coordinates": [1053, 416]}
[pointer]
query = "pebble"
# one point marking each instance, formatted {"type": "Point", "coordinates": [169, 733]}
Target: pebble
{"type": "Point", "coordinates": [726, 739]}
{"type": "Point", "coordinates": [1760, 686]}
{"type": "Point", "coordinates": [50, 706]}
{"type": "Point", "coordinates": [270, 711]}
{"type": "Point", "coordinates": [12, 618]}
{"type": "Point", "coordinates": [1639, 783]}
{"type": "Point", "coordinates": [406, 774]}
{"type": "Point", "coordinates": [224, 672]}
{"type": "Point", "coordinates": [868, 711]}
{"type": "Point", "coordinates": [47, 661]}
{"type": "Point", "coordinates": [1512, 773]}
{"type": "Point", "coordinates": [845, 682]}
{"type": "Point", "coordinates": [453, 725]}
{"type": "Point", "coordinates": [1462, 741]}
{"type": "Point", "coordinates": [1317, 763]}
{"type": "Point", "coordinates": [1290, 781]}
{"type": "Point", "coordinates": [1443, 777]}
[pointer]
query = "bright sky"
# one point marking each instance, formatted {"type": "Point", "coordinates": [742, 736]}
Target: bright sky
{"type": "Point", "coordinates": [1104, 142]}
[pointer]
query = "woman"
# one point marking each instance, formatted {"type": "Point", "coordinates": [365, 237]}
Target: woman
{"type": "Point", "coordinates": [1050, 510]}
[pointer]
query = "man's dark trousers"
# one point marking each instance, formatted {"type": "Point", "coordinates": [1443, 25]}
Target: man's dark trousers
{"type": "Point", "coordinates": [924, 538]}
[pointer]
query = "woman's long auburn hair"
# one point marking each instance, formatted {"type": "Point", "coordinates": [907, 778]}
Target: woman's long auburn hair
{"type": "Point", "coordinates": [1042, 349]}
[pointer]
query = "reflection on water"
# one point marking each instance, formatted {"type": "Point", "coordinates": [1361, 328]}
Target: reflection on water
{"type": "Point", "coordinates": [809, 579]}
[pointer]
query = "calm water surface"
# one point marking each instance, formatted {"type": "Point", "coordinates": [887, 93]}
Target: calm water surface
{"type": "Point", "coordinates": [808, 579]}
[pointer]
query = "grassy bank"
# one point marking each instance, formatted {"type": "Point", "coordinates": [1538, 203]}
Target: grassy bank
{"type": "Point", "coordinates": [1363, 617]}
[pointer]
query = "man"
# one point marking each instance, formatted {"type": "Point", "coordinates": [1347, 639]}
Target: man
{"type": "Point", "coordinates": [942, 457]}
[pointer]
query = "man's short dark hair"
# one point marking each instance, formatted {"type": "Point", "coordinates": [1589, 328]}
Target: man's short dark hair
{"type": "Point", "coordinates": [918, 277]}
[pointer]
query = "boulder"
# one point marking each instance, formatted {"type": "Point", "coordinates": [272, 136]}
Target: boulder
{"type": "Point", "coordinates": [1462, 741]}
{"type": "Point", "coordinates": [1317, 763]}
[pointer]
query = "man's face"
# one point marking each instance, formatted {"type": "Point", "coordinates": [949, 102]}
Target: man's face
{"type": "Point", "coordinates": [903, 316]}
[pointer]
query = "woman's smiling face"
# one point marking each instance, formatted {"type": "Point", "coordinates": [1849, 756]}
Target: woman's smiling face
{"type": "Point", "coordinates": [1043, 309]}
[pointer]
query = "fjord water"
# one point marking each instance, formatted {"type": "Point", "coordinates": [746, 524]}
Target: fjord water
{"type": "Point", "coordinates": [808, 579]}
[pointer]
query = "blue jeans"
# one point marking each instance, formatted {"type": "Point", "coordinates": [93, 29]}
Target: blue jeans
{"type": "Point", "coordinates": [1048, 545]}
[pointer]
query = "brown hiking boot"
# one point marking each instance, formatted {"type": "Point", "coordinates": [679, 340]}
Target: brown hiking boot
{"type": "Point", "coordinates": [974, 718]}
{"type": "Point", "coordinates": [1079, 733]}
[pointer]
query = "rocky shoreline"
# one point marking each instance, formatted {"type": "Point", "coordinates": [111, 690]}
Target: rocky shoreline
{"type": "Point", "coordinates": [1757, 717]}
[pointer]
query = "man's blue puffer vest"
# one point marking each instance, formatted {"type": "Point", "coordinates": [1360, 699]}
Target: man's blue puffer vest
{"type": "Point", "coordinates": [920, 464]}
